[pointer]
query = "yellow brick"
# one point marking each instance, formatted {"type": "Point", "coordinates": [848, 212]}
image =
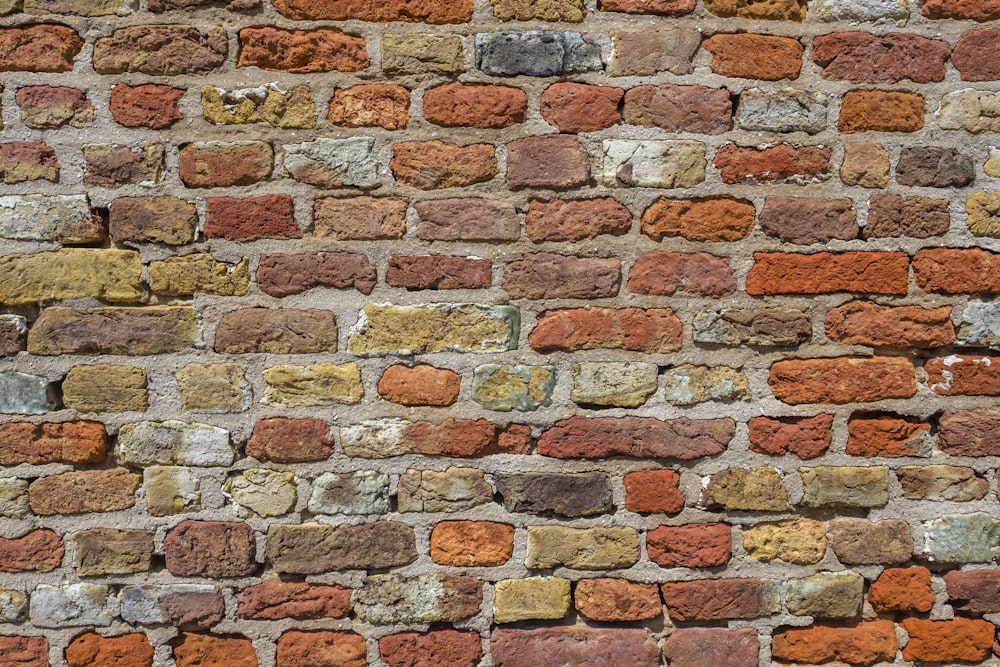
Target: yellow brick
{"type": "Point", "coordinates": [320, 384]}
{"type": "Point", "coordinates": [105, 388]}
{"type": "Point", "coordinates": [71, 273]}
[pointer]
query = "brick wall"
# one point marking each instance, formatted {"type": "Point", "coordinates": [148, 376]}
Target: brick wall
{"type": "Point", "coordinates": [513, 333]}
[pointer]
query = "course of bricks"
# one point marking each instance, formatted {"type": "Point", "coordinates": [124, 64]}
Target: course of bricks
{"type": "Point", "coordinates": [499, 333]}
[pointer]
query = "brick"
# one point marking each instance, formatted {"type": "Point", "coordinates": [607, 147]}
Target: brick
{"type": "Point", "coordinates": [422, 54]}
{"type": "Point", "coordinates": [697, 109]}
{"type": "Point", "coordinates": [313, 548]}
{"type": "Point", "coordinates": [961, 538]}
{"type": "Point", "coordinates": [863, 542]}
{"type": "Point", "coordinates": [969, 110]}
{"type": "Point", "coordinates": [808, 220]}
{"type": "Point", "coordinates": [551, 276]}
{"type": "Point", "coordinates": [198, 273]}
{"type": "Point", "coordinates": [112, 166]}
{"type": "Point", "coordinates": [777, 327]}
{"type": "Point", "coordinates": [987, 10]}
{"type": "Point", "coordinates": [274, 600]}
{"type": "Point", "coordinates": [671, 8]}
{"type": "Point", "coordinates": [436, 647]}
{"type": "Point", "coordinates": [927, 166]}
{"type": "Point", "coordinates": [977, 324]}
{"type": "Point", "coordinates": [868, 323]}
{"type": "Point", "coordinates": [916, 216]}
{"type": "Point", "coordinates": [544, 10]}
{"type": "Point", "coordinates": [576, 220]}
{"type": "Point", "coordinates": [887, 436]}
{"type": "Point", "coordinates": [553, 161]}
{"type": "Point", "coordinates": [688, 384]}
{"type": "Point", "coordinates": [170, 5]}
{"type": "Point", "coordinates": [578, 107]}
{"type": "Point", "coordinates": [861, 643]}
{"type": "Point", "coordinates": [955, 270]}
{"type": "Point", "coordinates": [506, 387]}
{"type": "Point", "coordinates": [359, 492]}
{"type": "Point", "coordinates": [581, 548]}
{"type": "Point", "coordinates": [202, 650]}
{"type": "Point", "coordinates": [431, 165]}
{"type": "Point", "coordinates": [166, 220]}
{"type": "Point", "coordinates": [150, 105]}
{"type": "Point", "coordinates": [475, 105]}
{"type": "Point", "coordinates": [666, 273]}
{"type": "Point", "coordinates": [39, 550]}
{"type": "Point", "coordinates": [956, 640]}
{"type": "Point", "coordinates": [452, 437]}
{"type": "Point", "coordinates": [827, 273]}
{"type": "Point", "coordinates": [21, 651]}
{"type": "Point", "coordinates": [655, 330]}
{"type": "Point", "coordinates": [71, 605]}
{"type": "Point", "coordinates": [42, 47]}
{"type": "Point", "coordinates": [559, 494]}
{"type": "Point", "coordinates": [73, 442]}
{"type": "Point", "coordinates": [653, 163]}
{"type": "Point", "coordinates": [600, 437]}
{"type": "Point", "coordinates": [573, 646]}
{"type": "Point", "coordinates": [302, 51]}
{"type": "Point", "coordinates": [360, 218]}
{"type": "Point", "coordinates": [531, 598]}
{"type": "Point", "coordinates": [880, 111]}
{"type": "Point", "coordinates": [171, 490]}
{"type": "Point", "coordinates": [282, 275]}
{"type": "Point", "coordinates": [25, 394]}
{"type": "Point", "coordinates": [13, 334]}
{"type": "Point", "coordinates": [969, 432]}
{"type": "Point", "coordinates": [611, 600]}
{"type": "Point", "coordinates": [749, 56]}
{"type": "Point", "coordinates": [649, 52]}
{"type": "Point", "coordinates": [371, 105]}
{"type": "Point", "coordinates": [863, 11]}
{"type": "Point", "coordinates": [982, 209]}
{"type": "Point", "coordinates": [976, 592]}
{"type": "Point", "coordinates": [199, 605]}
{"type": "Point", "coordinates": [845, 487]}
{"type": "Point", "coordinates": [103, 551]}
{"type": "Point", "coordinates": [88, 8]}
{"type": "Point", "coordinates": [826, 595]}
{"type": "Point", "coordinates": [471, 543]}
{"type": "Point", "coordinates": [963, 375]}
{"type": "Point", "coordinates": [276, 331]}
{"type": "Point", "coordinates": [782, 163]}
{"type": "Point", "coordinates": [750, 489]}
{"type": "Point", "coordinates": [941, 482]}
{"type": "Point", "coordinates": [211, 549]}
{"type": "Point", "coordinates": [213, 388]}
{"type": "Point", "coordinates": [65, 218]}
{"type": "Point", "coordinates": [690, 647]}
{"type": "Point", "coordinates": [776, 10]}
{"type": "Point", "coordinates": [536, 53]}
{"type": "Point", "coordinates": [265, 104]}
{"type": "Point", "coordinates": [781, 111]}
{"type": "Point", "coordinates": [690, 545]}
{"type": "Point", "coordinates": [28, 161]}
{"type": "Point", "coordinates": [14, 499]}
{"type": "Point", "coordinates": [717, 599]}
{"type": "Point", "coordinates": [220, 164]}
{"type": "Point", "coordinates": [91, 649]}
{"type": "Point", "coordinates": [798, 541]}
{"type": "Point", "coordinates": [250, 219]}
{"type": "Point", "coordinates": [861, 57]}
{"type": "Point", "coordinates": [451, 490]}
{"type": "Point", "coordinates": [429, 598]}
{"type": "Point", "coordinates": [842, 380]}
{"type": "Point", "coordinates": [649, 491]}
{"type": "Point", "coordinates": [976, 52]}
{"type": "Point", "coordinates": [84, 491]}
{"type": "Point", "coordinates": [422, 384]}
{"type": "Point", "coordinates": [161, 50]}
{"type": "Point", "coordinates": [626, 384]}
{"type": "Point", "coordinates": [13, 608]}
{"type": "Point", "coordinates": [321, 647]}
{"type": "Point", "coordinates": [423, 11]}
{"type": "Point", "coordinates": [867, 165]}
{"type": "Point", "coordinates": [290, 386]}
{"type": "Point", "coordinates": [105, 388]}
{"type": "Point", "coordinates": [131, 331]}
{"type": "Point", "coordinates": [415, 272]}
{"type": "Point", "coordinates": [48, 107]}
{"type": "Point", "coordinates": [902, 589]}
{"type": "Point", "coordinates": [433, 328]}
{"type": "Point", "coordinates": [174, 442]}
{"type": "Point", "coordinates": [334, 163]}
{"type": "Point", "coordinates": [466, 220]}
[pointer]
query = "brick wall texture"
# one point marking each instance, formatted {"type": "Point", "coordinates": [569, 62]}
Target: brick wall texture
{"type": "Point", "coordinates": [499, 333]}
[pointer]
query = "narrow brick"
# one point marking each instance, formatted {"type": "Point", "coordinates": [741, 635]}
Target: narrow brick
{"type": "Point", "coordinates": [573, 647]}
{"type": "Point", "coordinates": [576, 219]}
{"type": "Point", "coordinates": [697, 109]}
{"type": "Point", "coordinates": [219, 164]}
{"type": "Point", "coordinates": [302, 51]}
{"type": "Point", "coordinates": [274, 600]}
{"type": "Point", "coordinates": [861, 57]}
{"type": "Point", "coordinates": [423, 11]}
{"type": "Point", "coordinates": [860, 643]}
{"type": "Point", "coordinates": [887, 436]}
{"type": "Point", "coordinates": [322, 647]}
{"type": "Point", "coordinates": [600, 437]}
{"type": "Point", "coordinates": [74, 442]}
{"type": "Point", "coordinates": [290, 440]}
{"type": "Point", "coordinates": [39, 550]}
{"type": "Point", "coordinates": [371, 105]}
{"type": "Point", "coordinates": [282, 275]}
{"type": "Point", "coordinates": [359, 218]}
{"type": "Point", "coordinates": [551, 276]}
{"type": "Point", "coordinates": [161, 50]}
{"type": "Point", "coordinates": [167, 220]}
{"type": "Point", "coordinates": [868, 323]}
{"type": "Point", "coordinates": [211, 549]}
{"type": "Point", "coordinates": [471, 543]}
{"type": "Point", "coordinates": [656, 330]}
{"type": "Point", "coordinates": [916, 216]}
{"type": "Point", "coordinates": [455, 648]}
{"type": "Point", "coordinates": [84, 491]}
{"type": "Point", "coordinates": [963, 375]}
{"type": "Point", "coordinates": [806, 437]}
{"type": "Point", "coordinates": [842, 380]}
{"type": "Point", "coordinates": [466, 219]}
{"type": "Point", "coordinates": [808, 220]}
{"type": "Point", "coordinates": [702, 219]}
{"type": "Point", "coordinates": [430, 165]}
{"type": "Point", "coordinates": [48, 107]}
{"type": "Point", "coordinates": [421, 272]}
{"type": "Point", "coordinates": [827, 273]}
{"type": "Point", "coordinates": [250, 219]}
{"type": "Point", "coordinates": [276, 331]}
{"type": "Point", "coordinates": [666, 273]}
{"type": "Point", "coordinates": [314, 548]}
{"type": "Point", "coordinates": [112, 166]}
{"type": "Point", "coordinates": [773, 10]}
{"type": "Point", "coordinates": [474, 105]}
{"type": "Point", "coordinates": [126, 331]}
{"type": "Point", "coordinates": [716, 599]}
{"type": "Point", "coordinates": [782, 163]}
{"type": "Point", "coordinates": [128, 650]}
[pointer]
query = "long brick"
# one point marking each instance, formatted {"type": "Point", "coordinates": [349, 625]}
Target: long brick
{"type": "Point", "coordinates": [656, 330]}
{"type": "Point", "coordinates": [666, 273]}
{"type": "Point", "coordinates": [842, 380]}
{"type": "Point", "coordinates": [645, 437]}
{"type": "Point", "coordinates": [424, 11]}
{"type": "Point", "coordinates": [957, 270]}
{"type": "Point", "coordinates": [828, 272]}
{"type": "Point", "coordinates": [302, 51]}
{"type": "Point", "coordinates": [66, 442]}
{"type": "Point", "coordinates": [573, 647]}
{"type": "Point", "coordinates": [42, 47]}
{"type": "Point", "coordinates": [862, 643]}
{"type": "Point", "coordinates": [84, 491]}
{"type": "Point", "coordinates": [124, 331]}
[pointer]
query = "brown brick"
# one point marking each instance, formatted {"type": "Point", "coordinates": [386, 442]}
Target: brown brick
{"type": "Point", "coordinates": [84, 491]}
{"type": "Point", "coordinates": [881, 111]}
{"type": "Point", "coordinates": [661, 7]}
{"type": "Point", "coordinates": [25, 651]}
{"type": "Point", "coordinates": [475, 105]}
{"type": "Point", "coordinates": [933, 167]}
{"type": "Point", "coordinates": [321, 647]}
{"type": "Point", "coordinates": [666, 273]}
{"type": "Point", "coordinates": [806, 437]}
{"type": "Point", "coordinates": [861, 643]}
{"type": "Point", "coordinates": [276, 331]}
{"type": "Point", "coordinates": [717, 599]}
{"type": "Point", "coordinates": [112, 166]}
{"type": "Point", "coordinates": [47, 107]}
{"type": "Point", "coordinates": [224, 164]}
{"type": "Point", "coordinates": [148, 105]}
{"type": "Point", "coordinates": [422, 384]}
{"type": "Point", "coordinates": [976, 592]}
{"type": "Point", "coordinates": [916, 216]}
{"type": "Point", "coordinates": [702, 219]}
{"type": "Point", "coordinates": [861, 57]}
{"type": "Point", "coordinates": [282, 275]}
{"type": "Point", "coordinates": [976, 53]}
{"type": "Point", "coordinates": [360, 218]}
{"type": "Point", "coordinates": [103, 551]}
{"type": "Point", "coordinates": [550, 276]}
{"type": "Point", "coordinates": [862, 542]}
{"type": "Point", "coordinates": [250, 219]}
{"type": "Point", "coordinates": [167, 220]}
{"type": "Point", "coordinates": [161, 50]}
{"type": "Point", "coordinates": [827, 273]}
{"type": "Point", "coordinates": [22, 161]}
{"type": "Point", "coordinates": [92, 650]}
{"type": "Point", "coordinates": [201, 650]}
{"type": "Point", "coordinates": [842, 380]}
{"type": "Point", "coordinates": [211, 549]}
{"type": "Point", "coordinates": [775, 10]}
{"type": "Point", "coordinates": [131, 331]}
{"type": "Point", "coordinates": [435, 648]}
{"type": "Point", "coordinates": [611, 600]}
{"type": "Point", "coordinates": [466, 220]}
{"type": "Point", "coordinates": [290, 440]}
{"type": "Point", "coordinates": [472, 543]}
{"type": "Point", "coordinates": [42, 47]}
{"type": "Point", "coordinates": [66, 442]}
{"type": "Point", "coordinates": [382, 105]}
{"type": "Point", "coordinates": [976, 10]}
{"type": "Point", "coordinates": [553, 161]}
{"type": "Point", "coordinates": [690, 545]}
{"type": "Point", "coordinates": [956, 270]}
{"type": "Point", "coordinates": [424, 11]}
{"type": "Point", "coordinates": [39, 550]}
{"type": "Point", "coordinates": [579, 107]}
{"type": "Point", "coordinates": [600, 437]}
{"type": "Point", "coordinates": [314, 548]}
{"type": "Point", "coordinates": [430, 165]}
{"type": "Point", "coordinates": [807, 220]}
{"type": "Point", "coordinates": [656, 330]}
{"type": "Point", "coordinates": [868, 323]}
{"type": "Point", "coordinates": [748, 56]}
{"type": "Point", "coordinates": [302, 51]}
{"type": "Point", "coordinates": [783, 163]}
{"type": "Point", "coordinates": [420, 272]}
{"type": "Point", "coordinates": [697, 109]}
{"type": "Point", "coordinates": [274, 600]}
{"type": "Point", "coordinates": [573, 646]}
{"type": "Point", "coordinates": [576, 220]}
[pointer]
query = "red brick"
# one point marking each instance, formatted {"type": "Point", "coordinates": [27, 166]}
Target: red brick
{"type": "Point", "coordinates": [274, 600]}
{"type": "Point", "coordinates": [39, 550]}
{"type": "Point", "coordinates": [957, 640]}
{"type": "Point", "coordinates": [777, 10]}
{"type": "Point", "coordinates": [290, 440]}
{"type": "Point", "coordinates": [718, 599]}
{"type": "Point", "coordinates": [697, 109]}
{"type": "Point", "coordinates": [112, 166]}
{"type": "Point", "coordinates": [22, 161]}
{"type": "Point", "coordinates": [211, 549]}
{"type": "Point", "coordinates": [842, 380]}
{"type": "Point", "coordinates": [807, 220]}
{"type": "Point", "coordinates": [220, 165]}
{"type": "Point", "coordinates": [436, 648]}
{"type": "Point", "coordinates": [167, 220]}
{"type": "Point", "coordinates": [466, 219]}
{"type": "Point", "coordinates": [576, 220]}
{"type": "Point", "coordinates": [964, 375]}
{"type": "Point", "coordinates": [251, 219]}
{"type": "Point", "coordinates": [41, 47]}
{"type": "Point", "coordinates": [161, 50]}
{"type": "Point", "coordinates": [382, 105]}
{"type": "Point", "coordinates": [148, 105]}
{"type": "Point", "coordinates": [690, 545]}
{"type": "Point", "coordinates": [550, 276]}
{"type": "Point", "coordinates": [65, 442]}
{"type": "Point", "coordinates": [977, 55]}
{"type": "Point", "coordinates": [656, 330]}
{"type": "Point", "coordinates": [580, 107]}
{"type": "Point", "coordinates": [302, 51]}
{"type": "Point", "coordinates": [862, 643]}
{"type": "Point", "coordinates": [828, 272]}
{"type": "Point", "coordinates": [969, 433]}
{"type": "Point", "coordinates": [574, 646]}
{"type": "Point", "coordinates": [24, 651]}
{"type": "Point", "coordinates": [422, 384]}
{"type": "Point", "coordinates": [868, 323]}
{"type": "Point", "coordinates": [702, 219]}
{"type": "Point", "coordinates": [430, 165]}
{"type": "Point", "coordinates": [472, 543]}
{"type": "Point", "coordinates": [774, 164]}
{"type": "Point", "coordinates": [84, 491]}
{"type": "Point", "coordinates": [462, 438]}
{"type": "Point", "coordinates": [201, 609]}
{"type": "Point", "coordinates": [475, 105]}
{"type": "Point", "coordinates": [806, 437]}
{"type": "Point", "coordinates": [976, 10]}
{"type": "Point", "coordinates": [424, 11]}
{"type": "Point", "coordinates": [321, 648]}
{"type": "Point", "coordinates": [976, 592]}
{"type": "Point", "coordinates": [611, 600]}
{"type": "Point", "coordinates": [646, 437]}
{"type": "Point", "coordinates": [957, 270]}
{"type": "Point", "coordinates": [902, 589]}
{"type": "Point", "coordinates": [862, 542]}
{"type": "Point", "coordinates": [420, 272]}
{"type": "Point", "coordinates": [886, 436]}
{"type": "Point", "coordinates": [749, 56]}
{"type": "Point", "coordinates": [360, 218]}
{"type": "Point", "coordinates": [92, 650]}
{"type": "Point", "coordinates": [694, 647]}
{"type": "Point", "coordinates": [282, 275]}
{"type": "Point", "coordinates": [276, 331]}
{"type": "Point", "coordinates": [47, 107]}
{"type": "Point", "coordinates": [653, 491]}
{"type": "Point", "coordinates": [880, 111]}
{"type": "Point", "coordinates": [553, 161]}
{"type": "Point", "coordinates": [201, 650]}
{"type": "Point", "coordinates": [666, 273]}
{"type": "Point", "coordinates": [861, 57]}
{"type": "Point", "coordinates": [661, 7]}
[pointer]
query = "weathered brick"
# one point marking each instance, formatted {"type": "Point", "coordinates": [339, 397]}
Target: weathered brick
{"type": "Point", "coordinates": [977, 592]}
{"type": "Point", "coordinates": [798, 541]}
{"type": "Point", "coordinates": [544, 10]}
{"type": "Point", "coordinates": [690, 647]}
{"type": "Point", "coordinates": [985, 10]}
{"type": "Point", "coordinates": [581, 548]}
{"type": "Point", "coordinates": [536, 53]}
{"type": "Point", "coordinates": [435, 647]}
{"type": "Point", "coordinates": [334, 163]}
{"type": "Point", "coordinates": [573, 646]}
{"type": "Point", "coordinates": [653, 163]}
{"type": "Point", "coordinates": [28, 161]}
{"type": "Point", "coordinates": [275, 600]}
{"type": "Point", "coordinates": [84, 491]}
{"type": "Point", "coordinates": [47, 107]}
{"type": "Point", "coordinates": [688, 384]}
{"type": "Point", "coordinates": [807, 220]}
{"type": "Point", "coordinates": [551, 276]}
{"type": "Point", "coordinates": [171, 490]}
{"type": "Point", "coordinates": [656, 330]}
{"type": "Point", "coordinates": [969, 432]}
{"type": "Point", "coordinates": [697, 109]}
{"type": "Point", "coordinates": [360, 218]}
{"type": "Point", "coordinates": [174, 442]}
{"type": "Point", "coordinates": [828, 272]}
{"type": "Point", "coordinates": [42, 47]}
{"type": "Point", "coordinates": [861, 57]}
{"type": "Point", "coordinates": [716, 599]}
{"type": "Point", "coordinates": [65, 218]}
{"type": "Point", "coordinates": [250, 219]}
{"type": "Point", "coordinates": [292, 109]}
{"type": "Point", "coordinates": [861, 643]}
{"type": "Point", "coordinates": [868, 323]}
{"type": "Point", "coordinates": [956, 270]}
{"type": "Point", "coordinates": [649, 52]}
{"type": "Point", "coordinates": [661, 7]}
{"type": "Point", "coordinates": [781, 327]}
{"type": "Point", "coordinates": [39, 550]}
{"type": "Point", "coordinates": [560, 494]}
{"type": "Point", "coordinates": [902, 589]}
{"type": "Point", "coordinates": [451, 490]}
{"type": "Point", "coordinates": [112, 166]}
{"type": "Point", "coordinates": [576, 220]}
{"type": "Point", "coordinates": [600, 437]}
{"type": "Point", "coordinates": [13, 334]}
{"type": "Point", "coordinates": [983, 209]}
{"type": "Point", "coordinates": [198, 273]}
{"type": "Point", "coordinates": [626, 384]}
{"type": "Point", "coordinates": [213, 388]}
{"type": "Point", "coordinates": [666, 273]}
{"type": "Point", "coordinates": [785, 110]}
{"type": "Point", "coordinates": [167, 220]}
{"type": "Point", "coordinates": [836, 595]}
{"type": "Point", "coordinates": [290, 386]}
{"type": "Point", "coordinates": [845, 487]}
{"type": "Point", "coordinates": [941, 482]}
{"type": "Point", "coordinates": [471, 543]}
{"type": "Point", "coordinates": [321, 647]}
{"type": "Point", "coordinates": [358, 492]}
{"type": "Point", "coordinates": [302, 51]}
{"type": "Point", "coordinates": [975, 55]}
{"type": "Point", "coordinates": [466, 220]}
{"type": "Point", "coordinates": [579, 107]}
{"type": "Point", "coordinates": [423, 11]}
{"type": "Point", "coordinates": [389, 598]}
{"type": "Point", "coordinates": [927, 166]}
{"type": "Point", "coordinates": [751, 489]}
{"type": "Point", "coordinates": [434, 328]}
{"type": "Point", "coordinates": [865, 164]}
{"type": "Point", "coordinates": [422, 54]}
{"type": "Point", "coordinates": [276, 331]}
{"type": "Point", "coordinates": [128, 650]}
{"type": "Point", "coordinates": [962, 538]}
{"type": "Point", "coordinates": [422, 384]}
{"type": "Point", "coordinates": [880, 111]}
{"type": "Point", "coordinates": [963, 375]}
{"type": "Point", "coordinates": [690, 545]}
{"type": "Point", "coordinates": [451, 437]}
{"type": "Point", "coordinates": [782, 163]}
{"type": "Point", "coordinates": [202, 650]}
{"type": "Point", "coordinates": [290, 440]}
{"type": "Point", "coordinates": [199, 605]}
{"type": "Point", "coordinates": [702, 219]}
{"type": "Point", "coordinates": [916, 216]}
{"type": "Point", "coordinates": [506, 387]}
{"type": "Point", "coordinates": [26, 394]}
{"type": "Point", "coordinates": [282, 275]}
{"type": "Point", "coordinates": [382, 105]}
{"type": "Point", "coordinates": [653, 491]}
{"type": "Point", "coordinates": [970, 110]}
{"type": "Point", "coordinates": [749, 56]}
{"type": "Point", "coordinates": [161, 50]}
{"type": "Point", "coordinates": [956, 640]}
{"type": "Point", "coordinates": [863, 542]}
{"type": "Point", "coordinates": [313, 548]}
{"type": "Point", "coordinates": [475, 105]}
{"type": "Point", "coordinates": [211, 549]}
{"type": "Point", "coordinates": [887, 436]}
{"type": "Point", "coordinates": [863, 11]}
{"type": "Point", "coordinates": [220, 164]}
{"type": "Point", "coordinates": [553, 161]}
{"type": "Point", "coordinates": [842, 380]}
{"type": "Point", "coordinates": [72, 442]}
{"type": "Point", "coordinates": [131, 331]}
{"type": "Point", "coordinates": [105, 388]}
{"type": "Point", "coordinates": [777, 10]}
{"type": "Point", "coordinates": [150, 105]}
{"type": "Point", "coordinates": [431, 165]}
{"type": "Point", "coordinates": [71, 605]}
{"type": "Point", "coordinates": [617, 600]}
{"type": "Point", "coordinates": [103, 551]}
{"type": "Point", "coordinates": [420, 272]}
{"type": "Point", "coordinates": [530, 599]}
